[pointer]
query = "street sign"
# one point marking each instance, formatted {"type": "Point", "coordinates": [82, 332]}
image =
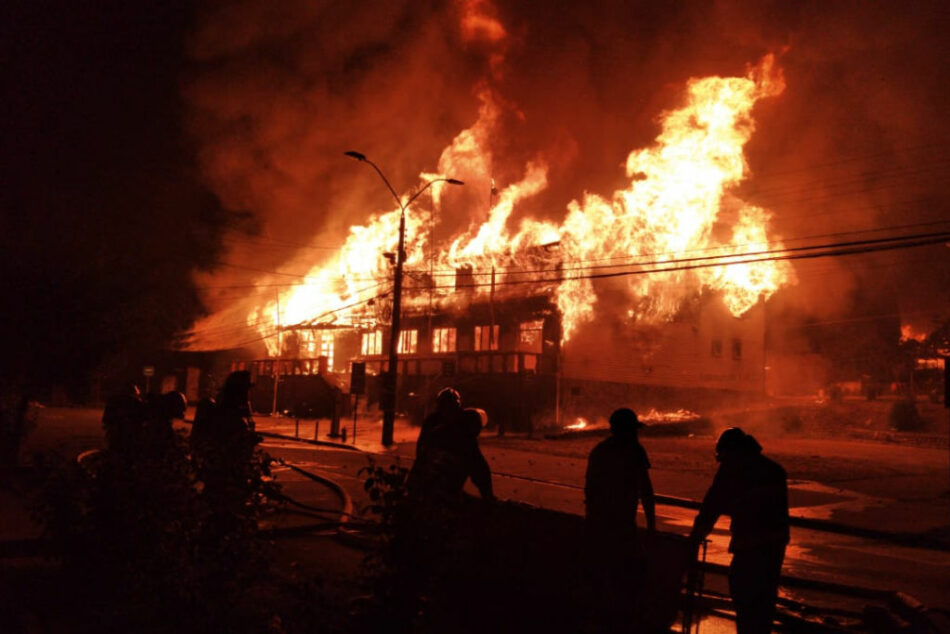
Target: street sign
{"type": "Point", "coordinates": [148, 370]}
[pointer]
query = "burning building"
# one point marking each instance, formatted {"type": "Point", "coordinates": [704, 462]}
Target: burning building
{"type": "Point", "coordinates": [640, 297]}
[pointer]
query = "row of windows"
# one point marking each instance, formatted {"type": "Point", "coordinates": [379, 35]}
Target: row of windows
{"type": "Point", "coordinates": [446, 339]}
{"type": "Point", "coordinates": [716, 348]}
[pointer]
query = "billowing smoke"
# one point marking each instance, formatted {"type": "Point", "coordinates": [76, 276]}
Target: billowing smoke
{"type": "Point", "coordinates": [277, 92]}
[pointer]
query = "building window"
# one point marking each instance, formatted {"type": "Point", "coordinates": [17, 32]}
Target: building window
{"type": "Point", "coordinates": [716, 349]}
{"type": "Point", "coordinates": [529, 339]}
{"type": "Point", "coordinates": [408, 341]}
{"type": "Point", "coordinates": [486, 338]}
{"type": "Point", "coordinates": [737, 349]}
{"type": "Point", "coordinates": [372, 343]}
{"type": "Point", "coordinates": [316, 343]}
{"type": "Point", "coordinates": [443, 340]}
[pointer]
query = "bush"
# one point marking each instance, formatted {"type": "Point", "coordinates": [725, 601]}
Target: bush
{"type": "Point", "coordinates": [144, 549]}
{"type": "Point", "coordinates": [903, 416]}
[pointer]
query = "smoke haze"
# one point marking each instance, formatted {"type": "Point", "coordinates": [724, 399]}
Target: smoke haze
{"type": "Point", "coordinates": [276, 93]}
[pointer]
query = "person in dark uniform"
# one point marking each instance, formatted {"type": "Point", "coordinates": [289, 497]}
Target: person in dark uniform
{"type": "Point", "coordinates": [224, 441]}
{"type": "Point", "coordinates": [447, 453]}
{"type": "Point", "coordinates": [618, 479]}
{"type": "Point", "coordinates": [617, 482]}
{"type": "Point", "coordinates": [161, 410]}
{"type": "Point", "coordinates": [753, 491]}
{"type": "Point", "coordinates": [123, 419]}
{"type": "Point", "coordinates": [425, 546]}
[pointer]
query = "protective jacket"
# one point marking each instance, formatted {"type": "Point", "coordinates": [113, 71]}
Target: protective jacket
{"type": "Point", "coordinates": [753, 491]}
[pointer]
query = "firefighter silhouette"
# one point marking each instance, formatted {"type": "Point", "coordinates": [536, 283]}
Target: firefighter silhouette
{"type": "Point", "coordinates": [753, 491]}
{"type": "Point", "coordinates": [447, 453]}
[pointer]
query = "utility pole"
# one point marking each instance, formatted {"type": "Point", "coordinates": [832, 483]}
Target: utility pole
{"type": "Point", "coordinates": [491, 309]}
{"type": "Point", "coordinates": [388, 395]}
{"type": "Point", "coordinates": [392, 371]}
{"type": "Point", "coordinates": [431, 261]}
{"type": "Point", "coordinates": [277, 361]}
{"type": "Point", "coordinates": [491, 295]}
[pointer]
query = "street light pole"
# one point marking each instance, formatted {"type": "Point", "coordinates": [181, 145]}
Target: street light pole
{"type": "Point", "coordinates": [388, 396]}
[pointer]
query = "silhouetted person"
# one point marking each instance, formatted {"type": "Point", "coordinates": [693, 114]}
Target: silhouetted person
{"type": "Point", "coordinates": [226, 441]}
{"type": "Point", "coordinates": [201, 426]}
{"type": "Point", "coordinates": [424, 547]}
{"type": "Point", "coordinates": [474, 418]}
{"type": "Point", "coordinates": [158, 433]}
{"type": "Point", "coordinates": [123, 418]}
{"type": "Point", "coordinates": [753, 491]}
{"type": "Point", "coordinates": [234, 399]}
{"type": "Point", "coordinates": [447, 453]}
{"type": "Point", "coordinates": [617, 481]}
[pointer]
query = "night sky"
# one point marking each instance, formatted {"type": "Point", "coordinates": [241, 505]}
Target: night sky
{"type": "Point", "coordinates": [104, 217]}
{"type": "Point", "coordinates": [136, 136]}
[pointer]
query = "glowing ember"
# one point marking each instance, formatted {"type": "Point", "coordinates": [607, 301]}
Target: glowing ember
{"type": "Point", "coordinates": [909, 333]}
{"type": "Point", "coordinates": [580, 423]}
{"type": "Point", "coordinates": [677, 202]}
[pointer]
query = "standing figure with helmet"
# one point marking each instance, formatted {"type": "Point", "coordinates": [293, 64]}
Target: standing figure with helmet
{"type": "Point", "coordinates": [447, 453]}
{"type": "Point", "coordinates": [753, 491]}
{"type": "Point", "coordinates": [616, 483]}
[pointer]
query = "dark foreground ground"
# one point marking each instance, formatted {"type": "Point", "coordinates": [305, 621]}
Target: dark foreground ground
{"type": "Point", "coordinates": [857, 473]}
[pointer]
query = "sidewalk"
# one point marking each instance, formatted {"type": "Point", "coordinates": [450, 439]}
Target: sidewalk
{"type": "Point", "coordinates": [368, 435]}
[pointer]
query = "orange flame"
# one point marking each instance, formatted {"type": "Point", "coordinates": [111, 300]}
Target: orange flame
{"type": "Point", "coordinates": [679, 203]}
{"type": "Point", "coordinates": [908, 333]}
{"type": "Point", "coordinates": [580, 423]}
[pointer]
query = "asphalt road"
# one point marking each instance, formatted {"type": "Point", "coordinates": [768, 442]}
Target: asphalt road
{"type": "Point", "coordinates": [556, 481]}
{"type": "Point", "coordinates": [895, 488]}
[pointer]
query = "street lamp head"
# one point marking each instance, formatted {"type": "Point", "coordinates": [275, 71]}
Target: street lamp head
{"type": "Point", "coordinates": [454, 181]}
{"type": "Point", "coordinates": [357, 155]}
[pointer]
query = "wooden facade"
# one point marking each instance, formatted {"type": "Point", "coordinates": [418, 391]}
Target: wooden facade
{"type": "Point", "coordinates": [507, 358]}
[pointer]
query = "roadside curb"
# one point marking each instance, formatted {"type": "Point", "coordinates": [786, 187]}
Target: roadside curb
{"type": "Point", "coordinates": [310, 441]}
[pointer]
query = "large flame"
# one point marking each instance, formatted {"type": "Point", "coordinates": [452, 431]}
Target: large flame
{"type": "Point", "coordinates": [678, 192]}
{"type": "Point", "coordinates": [679, 203]}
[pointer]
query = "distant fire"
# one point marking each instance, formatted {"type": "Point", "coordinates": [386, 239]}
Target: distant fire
{"type": "Point", "coordinates": [909, 333]}
{"type": "Point", "coordinates": [673, 416]}
{"type": "Point", "coordinates": [680, 189]}
{"type": "Point", "coordinates": [652, 417]}
{"type": "Point", "coordinates": [580, 423]}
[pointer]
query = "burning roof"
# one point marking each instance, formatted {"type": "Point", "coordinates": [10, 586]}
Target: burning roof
{"type": "Point", "coordinates": [678, 201]}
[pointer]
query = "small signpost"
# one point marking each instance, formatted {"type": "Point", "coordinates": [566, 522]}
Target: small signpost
{"type": "Point", "coordinates": [148, 372]}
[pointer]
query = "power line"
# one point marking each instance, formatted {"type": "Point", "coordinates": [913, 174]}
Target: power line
{"type": "Point", "coordinates": [828, 251]}
{"type": "Point", "coordinates": [238, 326]}
{"type": "Point", "coordinates": [635, 260]}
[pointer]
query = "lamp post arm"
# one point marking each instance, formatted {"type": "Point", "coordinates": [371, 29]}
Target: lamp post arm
{"type": "Point", "coordinates": [402, 207]}
{"type": "Point", "coordinates": [425, 187]}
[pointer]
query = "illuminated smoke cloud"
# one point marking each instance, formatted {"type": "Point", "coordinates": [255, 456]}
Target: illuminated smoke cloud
{"type": "Point", "coordinates": [276, 94]}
